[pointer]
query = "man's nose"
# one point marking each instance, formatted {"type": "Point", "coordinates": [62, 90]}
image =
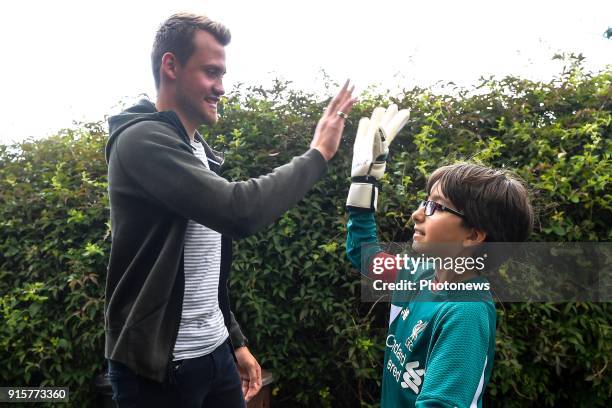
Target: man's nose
{"type": "Point", "coordinates": [218, 88]}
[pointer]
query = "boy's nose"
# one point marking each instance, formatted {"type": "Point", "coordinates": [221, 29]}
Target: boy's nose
{"type": "Point", "coordinates": [418, 215]}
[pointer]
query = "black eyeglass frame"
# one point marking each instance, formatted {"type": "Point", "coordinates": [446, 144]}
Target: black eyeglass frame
{"type": "Point", "coordinates": [432, 206]}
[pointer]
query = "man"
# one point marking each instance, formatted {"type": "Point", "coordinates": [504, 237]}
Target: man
{"type": "Point", "coordinates": [167, 316]}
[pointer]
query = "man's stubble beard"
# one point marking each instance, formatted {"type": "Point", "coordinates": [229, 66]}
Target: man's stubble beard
{"type": "Point", "coordinates": [195, 112]}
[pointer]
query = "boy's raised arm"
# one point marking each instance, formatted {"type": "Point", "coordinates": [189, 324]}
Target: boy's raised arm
{"type": "Point", "coordinates": [370, 154]}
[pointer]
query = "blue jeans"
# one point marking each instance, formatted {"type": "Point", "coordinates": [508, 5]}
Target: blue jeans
{"type": "Point", "coordinates": [208, 381]}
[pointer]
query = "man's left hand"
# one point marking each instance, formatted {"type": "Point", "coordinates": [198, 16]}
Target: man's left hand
{"type": "Point", "coordinates": [250, 372]}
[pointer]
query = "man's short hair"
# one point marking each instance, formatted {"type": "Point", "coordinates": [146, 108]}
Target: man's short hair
{"type": "Point", "coordinates": [176, 34]}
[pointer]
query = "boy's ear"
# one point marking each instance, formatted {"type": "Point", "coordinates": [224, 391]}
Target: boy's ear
{"type": "Point", "coordinates": [476, 237]}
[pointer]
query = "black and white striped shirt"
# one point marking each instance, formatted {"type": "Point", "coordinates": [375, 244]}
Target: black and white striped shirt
{"type": "Point", "coordinates": [202, 327]}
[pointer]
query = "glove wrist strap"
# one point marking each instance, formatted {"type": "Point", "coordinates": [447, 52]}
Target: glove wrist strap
{"type": "Point", "coordinates": [366, 179]}
{"type": "Point", "coordinates": [363, 194]}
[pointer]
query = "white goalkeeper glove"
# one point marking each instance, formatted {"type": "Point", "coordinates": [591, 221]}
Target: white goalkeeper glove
{"type": "Point", "coordinates": [370, 154]}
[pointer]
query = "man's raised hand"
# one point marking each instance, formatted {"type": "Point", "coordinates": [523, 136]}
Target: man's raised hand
{"type": "Point", "coordinates": [329, 129]}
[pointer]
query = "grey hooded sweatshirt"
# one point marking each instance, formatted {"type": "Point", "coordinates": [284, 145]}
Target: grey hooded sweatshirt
{"type": "Point", "coordinates": [156, 184]}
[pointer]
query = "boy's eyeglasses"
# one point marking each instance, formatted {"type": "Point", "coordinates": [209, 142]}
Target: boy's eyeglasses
{"type": "Point", "coordinates": [432, 206]}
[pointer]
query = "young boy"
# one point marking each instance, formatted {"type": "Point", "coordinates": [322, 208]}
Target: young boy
{"type": "Point", "coordinates": [439, 352]}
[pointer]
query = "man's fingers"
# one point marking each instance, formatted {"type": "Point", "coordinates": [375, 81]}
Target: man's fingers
{"type": "Point", "coordinates": [252, 390]}
{"type": "Point", "coordinates": [245, 389]}
{"type": "Point", "coordinates": [347, 107]}
{"type": "Point", "coordinates": [344, 89]}
{"type": "Point", "coordinates": [253, 383]}
{"type": "Point", "coordinates": [351, 89]}
{"type": "Point", "coordinates": [345, 86]}
{"type": "Point", "coordinates": [346, 99]}
{"type": "Point", "coordinates": [259, 378]}
{"type": "Point", "coordinates": [340, 98]}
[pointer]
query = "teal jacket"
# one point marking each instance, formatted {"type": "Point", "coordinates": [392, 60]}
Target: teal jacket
{"type": "Point", "coordinates": [438, 353]}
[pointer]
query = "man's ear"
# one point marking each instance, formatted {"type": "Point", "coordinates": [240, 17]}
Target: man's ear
{"type": "Point", "coordinates": [476, 237]}
{"type": "Point", "coordinates": [169, 66]}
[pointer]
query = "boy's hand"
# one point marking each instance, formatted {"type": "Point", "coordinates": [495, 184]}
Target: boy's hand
{"type": "Point", "coordinates": [370, 153]}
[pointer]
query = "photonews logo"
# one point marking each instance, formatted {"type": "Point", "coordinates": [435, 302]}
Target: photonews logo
{"type": "Point", "coordinates": [412, 377]}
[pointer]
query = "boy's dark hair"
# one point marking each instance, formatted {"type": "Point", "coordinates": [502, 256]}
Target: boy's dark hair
{"type": "Point", "coordinates": [175, 35]}
{"type": "Point", "coordinates": [493, 200]}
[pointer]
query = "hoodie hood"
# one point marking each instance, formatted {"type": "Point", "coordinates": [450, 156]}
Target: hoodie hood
{"type": "Point", "coordinates": [143, 110]}
{"type": "Point", "coordinates": [146, 110]}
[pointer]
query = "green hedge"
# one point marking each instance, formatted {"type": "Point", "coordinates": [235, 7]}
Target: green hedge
{"type": "Point", "coordinates": [292, 288]}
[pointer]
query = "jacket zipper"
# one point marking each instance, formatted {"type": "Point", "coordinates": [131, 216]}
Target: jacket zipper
{"type": "Point", "coordinates": [169, 368]}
